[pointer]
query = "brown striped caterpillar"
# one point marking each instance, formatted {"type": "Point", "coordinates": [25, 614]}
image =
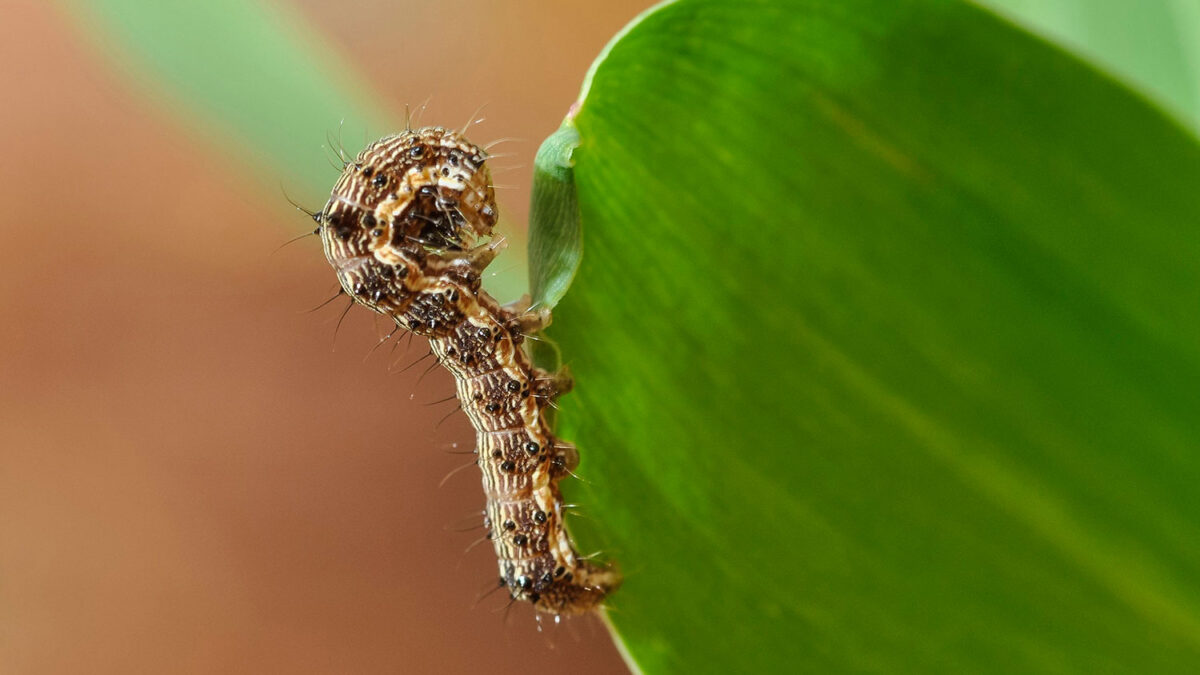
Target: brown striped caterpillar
{"type": "Point", "coordinates": [408, 229]}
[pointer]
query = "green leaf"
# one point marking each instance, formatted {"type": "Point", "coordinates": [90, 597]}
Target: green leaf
{"type": "Point", "coordinates": [886, 346]}
{"type": "Point", "coordinates": [1153, 44]}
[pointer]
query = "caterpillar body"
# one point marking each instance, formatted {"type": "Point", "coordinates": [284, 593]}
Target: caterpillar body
{"type": "Point", "coordinates": [408, 229]}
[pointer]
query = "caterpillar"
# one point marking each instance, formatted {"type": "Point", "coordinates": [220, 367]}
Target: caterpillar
{"type": "Point", "coordinates": [408, 229]}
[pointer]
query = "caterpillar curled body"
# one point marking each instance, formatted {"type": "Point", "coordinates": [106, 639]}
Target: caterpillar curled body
{"type": "Point", "coordinates": [408, 230]}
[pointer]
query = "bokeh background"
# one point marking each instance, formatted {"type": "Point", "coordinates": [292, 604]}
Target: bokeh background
{"type": "Point", "coordinates": [196, 474]}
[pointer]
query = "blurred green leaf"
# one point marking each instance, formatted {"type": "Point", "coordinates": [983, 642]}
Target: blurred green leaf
{"type": "Point", "coordinates": [250, 74]}
{"type": "Point", "coordinates": [259, 81]}
{"type": "Point", "coordinates": [1152, 44]}
{"type": "Point", "coordinates": [886, 346]}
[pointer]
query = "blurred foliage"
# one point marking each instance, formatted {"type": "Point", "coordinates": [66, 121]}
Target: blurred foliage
{"type": "Point", "coordinates": [259, 82]}
{"type": "Point", "coordinates": [1151, 44]}
{"type": "Point", "coordinates": [884, 325]}
{"type": "Point", "coordinates": [253, 77]}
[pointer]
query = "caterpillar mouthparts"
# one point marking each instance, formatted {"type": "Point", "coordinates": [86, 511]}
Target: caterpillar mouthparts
{"type": "Point", "coordinates": [408, 229]}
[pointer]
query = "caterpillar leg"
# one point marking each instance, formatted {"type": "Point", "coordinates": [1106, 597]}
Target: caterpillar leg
{"type": "Point", "coordinates": [549, 386]}
{"type": "Point", "coordinates": [526, 321]}
{"type": "Point", "coordinates": [564, 460]}
{"type": "Point", "coordinates": [519, 306]}
{"type": "Point", "coordinates": [482, 256]}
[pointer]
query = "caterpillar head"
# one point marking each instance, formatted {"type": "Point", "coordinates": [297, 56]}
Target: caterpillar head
{"type": "Point", "coordinates": [418, 195]}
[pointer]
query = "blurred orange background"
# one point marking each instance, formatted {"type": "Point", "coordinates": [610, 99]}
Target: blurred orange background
{"type": "Point", "coordinates": [191, 480]}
